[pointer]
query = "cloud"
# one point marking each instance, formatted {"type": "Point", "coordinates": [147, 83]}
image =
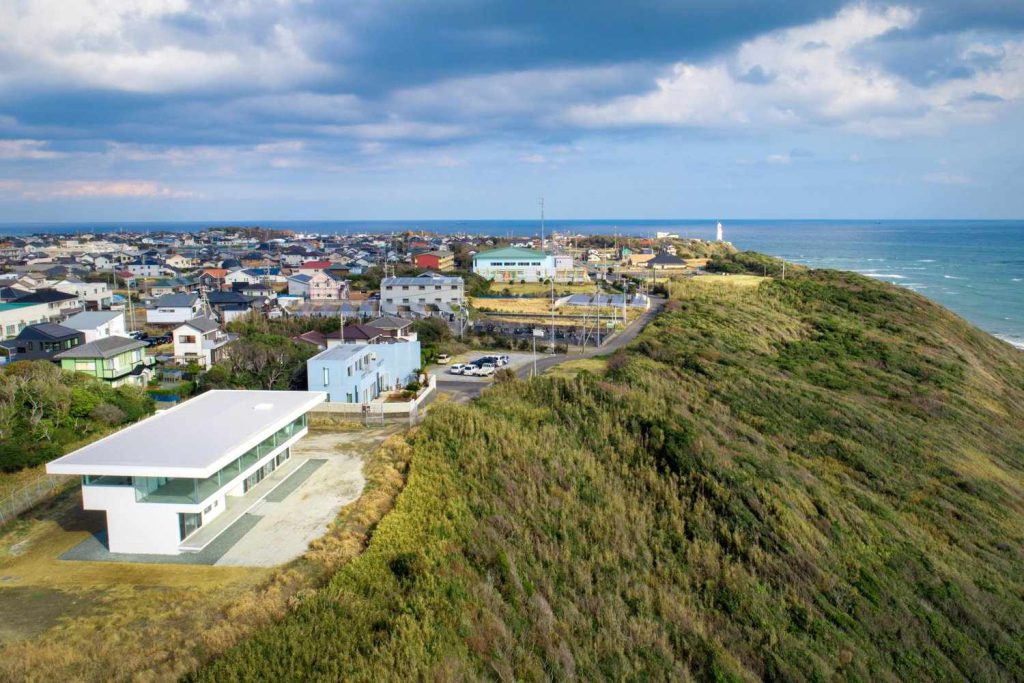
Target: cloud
{"type": "Point", "coordinates": [136, 46]}
{"type": "Point", "coordinates": [27, 149]}
{"type": "Point", "coordinates": [946, 178]}
{"type": "Point", "coordinates": [93, 189]}
{"type": "Point", "coordinates": [816, 74]}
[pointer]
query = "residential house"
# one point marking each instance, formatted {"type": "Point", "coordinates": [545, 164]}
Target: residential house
{"type": "Point", "coordinates": [298, 285]}
{"type": "Point", "coordinates": [148, 267]}
{"type": "Point", "coordinates": [310, 267]}
{"type": "Point", "coordinates": [172, 309]}
{"type": "Point", "coordinates": [356, 334]}
{"type": "Point", "coordinates": [230, 306]}
{"type": "Point", "coordinates": [359, 373]}
{"type": "Point", "coordinates": [442, 261]}
{"type": "Point", "coordinates": [94, 295]}
{"type": "Point", "coordinates": [212, 278]}
{"type": "Point", "coordinates": [163, 480]}
{"type": "Point", "coordinates": [201, 340]}
{"type": "Point", "coordinates": [313, 338]}
{"type": "Point", "coordinates": [118, 360]}
{"type": "Point", "coordinates": [42, 341]}
{"type": "Point", "coordinates": [179, 262]}
{"type": "Point", "coordinates": [325, 286]}
{"type": "Point", "coordinates": [396, 328]}
{"type": "Point", "coordinates": [98, 324]}
{"type": "Point", "coordinates": [666, 261]}
{"type": "Point", "coordinates": [170, 285]}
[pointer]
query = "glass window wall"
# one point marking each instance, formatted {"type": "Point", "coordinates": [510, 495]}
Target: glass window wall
{"type": "Point", "coordinates": [193, 491]}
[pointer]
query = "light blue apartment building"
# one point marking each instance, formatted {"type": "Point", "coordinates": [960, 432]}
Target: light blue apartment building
{"type": "Point", "coordinates": [358, 373]}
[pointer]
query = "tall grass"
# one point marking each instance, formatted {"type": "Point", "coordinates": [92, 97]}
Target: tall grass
{"type": "Point", "coordinates": [818, 478]}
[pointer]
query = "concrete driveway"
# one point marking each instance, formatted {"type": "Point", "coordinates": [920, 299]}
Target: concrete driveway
{"type": "Point", "coordinates": [290, 517]}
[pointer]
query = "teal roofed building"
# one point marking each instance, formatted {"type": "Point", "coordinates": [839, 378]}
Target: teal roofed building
{"type": "Point", "coordinates": [514, 264]}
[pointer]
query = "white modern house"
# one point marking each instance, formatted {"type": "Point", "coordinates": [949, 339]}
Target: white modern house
{"type": "Point", "coordinates": [98, 324]}
{"type": "Point", "coordinates": [162, 480]}
{"type": "Point", "coordinates": [201, 340]}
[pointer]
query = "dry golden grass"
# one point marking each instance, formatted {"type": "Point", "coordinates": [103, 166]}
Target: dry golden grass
{"type": "Point", "coordinates": [569, 369]}
{"type": "Point", "coordinates": [535, 288]}
{"type": "Point", "coordinates": [750, 281]}
{"type": "Point", "coordinates": [120, 621]}
{"type": "Point", "coordinates": [512, 305]}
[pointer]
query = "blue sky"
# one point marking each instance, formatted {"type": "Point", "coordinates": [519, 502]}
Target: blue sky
{"type": "Point", "coordinates": [298, 109]}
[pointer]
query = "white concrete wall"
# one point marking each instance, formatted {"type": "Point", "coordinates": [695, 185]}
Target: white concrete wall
{"type": "Point", "coordinates": [133, 527]}
{"type": "Point", "coordinates": [152, 528]}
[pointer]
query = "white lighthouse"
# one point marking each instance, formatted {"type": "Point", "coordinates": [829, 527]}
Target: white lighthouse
{"type": "Point", "coordinates": [718, 233]}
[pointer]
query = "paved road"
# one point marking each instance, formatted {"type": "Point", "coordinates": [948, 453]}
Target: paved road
{"type": "Point", "coordinates": [462, 391]}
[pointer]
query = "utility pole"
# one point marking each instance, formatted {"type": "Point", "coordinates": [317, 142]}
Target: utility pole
{"type": "Point", "coordinates": [542, 223]}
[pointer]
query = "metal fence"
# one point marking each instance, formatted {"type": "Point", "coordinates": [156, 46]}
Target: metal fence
{"type": "Point", "coordinates": [30, 495]}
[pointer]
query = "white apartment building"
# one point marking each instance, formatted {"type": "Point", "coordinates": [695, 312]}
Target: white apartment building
{"type": "Point", "coordinates": [426, 294]}
{"type": "Point", "coordinates": [174, 482]}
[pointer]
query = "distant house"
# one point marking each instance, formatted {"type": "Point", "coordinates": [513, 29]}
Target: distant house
{"type": "Point", "coordinates": [170, 285]}
{"type": "Point", "coordinates": [117, 360]}
{"type": "Point", "coordinates": [313, 338]}
{"type": "Point", "coordinates": [148, 267]}
{"type": "Point", "coordinates": [57, 303]}
{"type": "Point", "coordinates": [42, 341]}
{"type": "Point", "coordinates": [230, 305]}
{"type": "Point", "coordinates": [396, 328]}
{"type": "Point", "coordinates": [201, 340]}
{"type": "Point", "coordinates": [356, 334]}
{"type": "Point", "coordinates": [95, 295]}
{"type": "Point", "coordinates": [213, 278]}
{"type": "Point", "coordinates": [298, 285]}
{"type": "Point", "coordinates": [666, 261]}
{"type": "Point", "coordinates": [310, 267]}
{"type": "Point", "coordinates": [325, 286]}
{"type": "Point", "coordinates": [98, 324]}
{"type": "Point", "coordinates": [240, 275]}
{"type": "Point", "coordinates": [179, 262]}
{"type": "Point", "coordinates": [173, 309]}
{"type": "Point", "coordinates": [358, 373]}
{"type": "Point", "coordinates": [435, 260]}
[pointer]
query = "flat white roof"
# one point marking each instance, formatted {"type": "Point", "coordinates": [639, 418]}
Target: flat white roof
{"type": "Point", "coordinates": [194, 439]}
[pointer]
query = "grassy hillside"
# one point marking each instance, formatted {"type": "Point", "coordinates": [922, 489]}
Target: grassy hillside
{"type": "Point", "coordinates": [812, 479]}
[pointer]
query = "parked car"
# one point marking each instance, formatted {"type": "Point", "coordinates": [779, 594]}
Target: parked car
{"type": "Point", "coordinates": [457, 369]}
{"type": "Point", "coordinates": [484, 370]}
{"type": "Point", "coordinates": [443, 358]}
{"type": "Point", "coordinates": [502, 361]}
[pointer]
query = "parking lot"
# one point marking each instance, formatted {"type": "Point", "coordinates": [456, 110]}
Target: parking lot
{"type": "Point", "coordinates": [516, 360]}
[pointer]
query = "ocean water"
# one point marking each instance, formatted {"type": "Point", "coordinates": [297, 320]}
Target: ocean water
{"type": "Point", "coordinates": [975, 268]}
